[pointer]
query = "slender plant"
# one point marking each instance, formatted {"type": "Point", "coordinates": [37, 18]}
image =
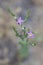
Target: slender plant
{"type": "Point", "coordinates": [27, 37]}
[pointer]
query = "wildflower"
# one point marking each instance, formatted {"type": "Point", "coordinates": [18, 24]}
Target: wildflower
{"type": "Point", "coordinates": [30, 35]}
{"type": "Point", "coordinates": [20, 21]}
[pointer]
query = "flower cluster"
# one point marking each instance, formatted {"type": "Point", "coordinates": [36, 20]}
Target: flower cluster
{"type": "Point", "coordinates": [29, 33]}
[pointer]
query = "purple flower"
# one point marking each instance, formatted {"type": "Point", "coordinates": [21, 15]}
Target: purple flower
{"type": "Point", "coordinates": [20, 21]}
{"type": "Point", "coordinates": [30, 35]}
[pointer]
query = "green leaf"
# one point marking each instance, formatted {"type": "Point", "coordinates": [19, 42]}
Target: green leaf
{"type": "Point", "coordinates": [17, 34]}
{"type": "Point", "coordinates": [11, 12]}
{"type": "Point", "coordinates": [14, 29]}
{"type": "Point", "coordinates": [27, 16]}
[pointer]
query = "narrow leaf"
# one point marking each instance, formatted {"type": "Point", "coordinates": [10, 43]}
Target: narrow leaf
{"type": "Point", "coordinates": [11, 12]}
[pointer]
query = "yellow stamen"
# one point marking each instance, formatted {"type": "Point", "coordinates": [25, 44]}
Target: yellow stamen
{"type": "Point", "coordinates": [30, 34]}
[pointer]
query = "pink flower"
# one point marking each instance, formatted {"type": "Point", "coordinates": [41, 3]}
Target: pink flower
{"type": "Point", "coordinates": [20, 21]}
{"type": "Point", "coordinates": [30, 35]}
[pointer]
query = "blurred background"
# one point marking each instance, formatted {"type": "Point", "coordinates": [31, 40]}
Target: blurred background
{"type": "Point", "coordinates": [8, 39]}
